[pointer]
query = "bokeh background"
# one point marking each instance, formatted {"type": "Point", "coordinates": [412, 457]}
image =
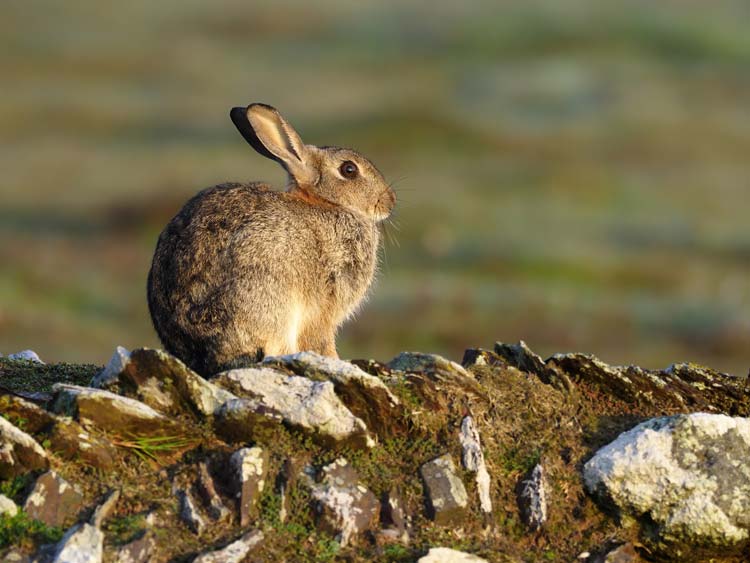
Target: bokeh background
{"type": "Point", "coordinates": [573, 173]}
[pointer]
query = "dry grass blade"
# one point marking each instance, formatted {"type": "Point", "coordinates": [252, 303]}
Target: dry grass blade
{"type": "Point", "coordinates": [153, 448]}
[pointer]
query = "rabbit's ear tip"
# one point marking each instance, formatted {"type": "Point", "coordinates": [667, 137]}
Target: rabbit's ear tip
{"type": "Point", "coordinates": [238, 113]}
{"type": "Point", "coordinates": [261, 105]}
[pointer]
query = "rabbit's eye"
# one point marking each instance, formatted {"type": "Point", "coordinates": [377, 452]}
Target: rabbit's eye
{"type": "Point", "coordinates": [348, 169]}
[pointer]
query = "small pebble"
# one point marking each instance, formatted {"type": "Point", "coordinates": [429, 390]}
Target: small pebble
{"type": "Point", "coordinates": [27, 355]}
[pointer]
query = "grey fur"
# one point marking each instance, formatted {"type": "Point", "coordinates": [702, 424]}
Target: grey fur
{"type": "Point", "coordinates": [243, 271]}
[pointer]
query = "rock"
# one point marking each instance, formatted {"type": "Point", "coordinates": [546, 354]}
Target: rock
{"type": "Point", "coordinates": [284, 483]}
{"type": "Point", "coordinates": [685, 478]}
{"type": "Point", "coordinates": [246, 420]}
{"type": "Point", "coordinates": [26, 356]}
{"type": "Point", "coordinates": [83, 543]}
{"type": "Point", "coordinates": [189, 512]}
{"type": "Point", "coordinates": [365, 395]}
{"type": "Point", "coordinates": [108, 377]}
{"type": "Point", "coordinates": [481, 357]}
{"type": "Point", "coordinates": [446, 495]}
{"type": "Point", "coordinates": [7, 506]}
{"type": "Point", "coordinates": [140, 550]}
{"type": "Point", "coordinates": [430, 364]}
{"type": "Point", "coordinates": [521, 357]}
{"type": "Point", "coordinates": [235, 551]}
{"type": "Point", "coordinates": [304, 403]}
{"type": "Point", "coordinates": [24, 414]}
{"type": "Point", "coordinates": [319, 367]}
{"type": "Point", "coordinates": [346, 508]}
{"type": "Point", "coordinates": [109, 411]}
{"type": "Point", "coordinates": [53, 500]}
{"type": "Point", "coordinates": [473, 460]}
{"type": "Point", "coordinates": [69, 440]}
{"type": "Point", "coordinates": [393, 517]}
{"type": "Point", "coordinates": [163, 382]}
{"type": "Point", "coordinates": [19, 452]}
{"type": "Point", "coordinates": [15, 555]}
{"type": "Point", "coordinates": [532, 498]}
{"type": "Point", "coordinates": [249, 469]}
{"type": "Point", "coordinates": [105, 509]}
{"type": "Point", "coordinates": [447, 555]}
{"type": "Point", "coordinates": [622, 553]}
{"type": "Point", "coordinates": [206, 489]}
{"type": "Point", "coordinates": [678, 388]}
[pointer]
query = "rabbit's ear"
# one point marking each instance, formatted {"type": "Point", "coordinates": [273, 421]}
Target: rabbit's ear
{"type": "Point", "coordinates": [270, 134]}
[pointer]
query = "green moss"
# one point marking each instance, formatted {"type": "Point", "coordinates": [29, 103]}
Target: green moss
{"type": "Point", "coordinates": [517, 458]}
{"type": "Point", "coordinates": [326, 549]}
{"type": "Point", "coordinates": [123, 529]}
{"type": "Point", "coordinates": [396, 553]}
{"type": "Point", "coordinates": [19, 375]}
{"type": "Point", "coordinates": [13, 488]}
{"type": "Point", "coordinates": [20, 528]}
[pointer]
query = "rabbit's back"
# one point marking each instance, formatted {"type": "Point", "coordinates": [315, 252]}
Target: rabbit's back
{"type": "Point", "coordinates": [238, 256]}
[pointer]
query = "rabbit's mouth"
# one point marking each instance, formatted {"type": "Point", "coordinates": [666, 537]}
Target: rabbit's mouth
{"type": "Point", "coordinates": [384, 206]}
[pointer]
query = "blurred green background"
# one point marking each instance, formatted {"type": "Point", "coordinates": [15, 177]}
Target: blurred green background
{"type": "Point", "coordinates": [574, 173]}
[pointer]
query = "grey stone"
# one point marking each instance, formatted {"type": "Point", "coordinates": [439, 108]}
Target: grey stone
{"type": "Point", "coordinates": [684, 478]}
{"type": "Point", "coordinates": [106, 410]}
{"type": "Point", "coordinates": [161, 381]}
{"type": "Point", "coordinates": [189, 513]}
{"type": "Point", "coordinates": [532, 498]}
{"type": "Point", "coordinates": [479, 357]}
{"type": "Point", "coordinates": [69, 440]}
{"type": "Point", "coordinates": [314, 366]}
{"type": "Point", "coordinates": [302, 402]}
{"type": "Point", "coordinates": [446, 495]}
{"type": "Point", "coordinates": [473, 460]}
{"type": "Point", "coordinates": [680, 387]}
{"type": "Point", "coordinates": [109, 375]}
{"type": "Point", "coordinates": [365, 395]}
{"type": "Point", "coordinates": [19, 452]}
{"type": "Point", "coordinates": [30, 417]}
{"type": "Point", "coordinates": [206, 489]}
{"type": "Point", "coordinates": [83, 543]}
{"type": "Point", "coordinates": [14, 555]}
{"type": "Point", "coordinates": [53, 500]}
{"type": "Point", "coordinates": [285, 482]}
{"type": "Point", "coordinates": [447, 555]}
{"type": "Point", "coordinates": [140, 550]}
{"type": "Point", "coordinates": [521, 357]}
{"type": "Point", "coordinates": [105, 509]}
{"type": "Point", "coordinates": [7, 506]}
{"type": "Point", "coordinates": [430, 364]}
{"type": "Point", "coordinates": [26, 356]}
{"type": "Point", "coordinates": [249, 468]}
{"type": "Point", "coordinates": [235, 552]}
{"type": "Point", "coordinates": [393, 516]}
{"type": "Point", "coordinates": [246, 420]}
{"type": "Point", "coordinates": [346, 508]}
{"type": "Point", "coordinates": [622, 553]}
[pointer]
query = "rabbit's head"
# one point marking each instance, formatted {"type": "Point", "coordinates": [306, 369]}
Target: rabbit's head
{"type": "Point", "coordinates": [321, 175]}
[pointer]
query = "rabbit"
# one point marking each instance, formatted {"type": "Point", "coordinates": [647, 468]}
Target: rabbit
{"type": "Point", "coordinates": [244, 271]}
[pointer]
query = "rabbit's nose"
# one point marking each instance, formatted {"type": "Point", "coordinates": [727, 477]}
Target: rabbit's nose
{"type": "Point", "coordinates": [386, 203]}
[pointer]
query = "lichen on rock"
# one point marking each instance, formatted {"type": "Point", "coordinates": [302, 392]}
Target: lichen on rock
{"type": "Point", "coordinates": [684, 478]}
{"type": "Point", "coordinates": [301, 402]}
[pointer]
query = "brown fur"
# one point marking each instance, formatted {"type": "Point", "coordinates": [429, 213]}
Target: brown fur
{"type": "Point", "coordinates": [243, 271]}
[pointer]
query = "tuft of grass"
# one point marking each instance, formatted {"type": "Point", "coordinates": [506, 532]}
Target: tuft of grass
{"type": "Point", "coordinates": [153, 449]}
{"type": "Point", "coordinates": [21, 528]}
{"type": "Point", "coordinates": [518, 459]}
